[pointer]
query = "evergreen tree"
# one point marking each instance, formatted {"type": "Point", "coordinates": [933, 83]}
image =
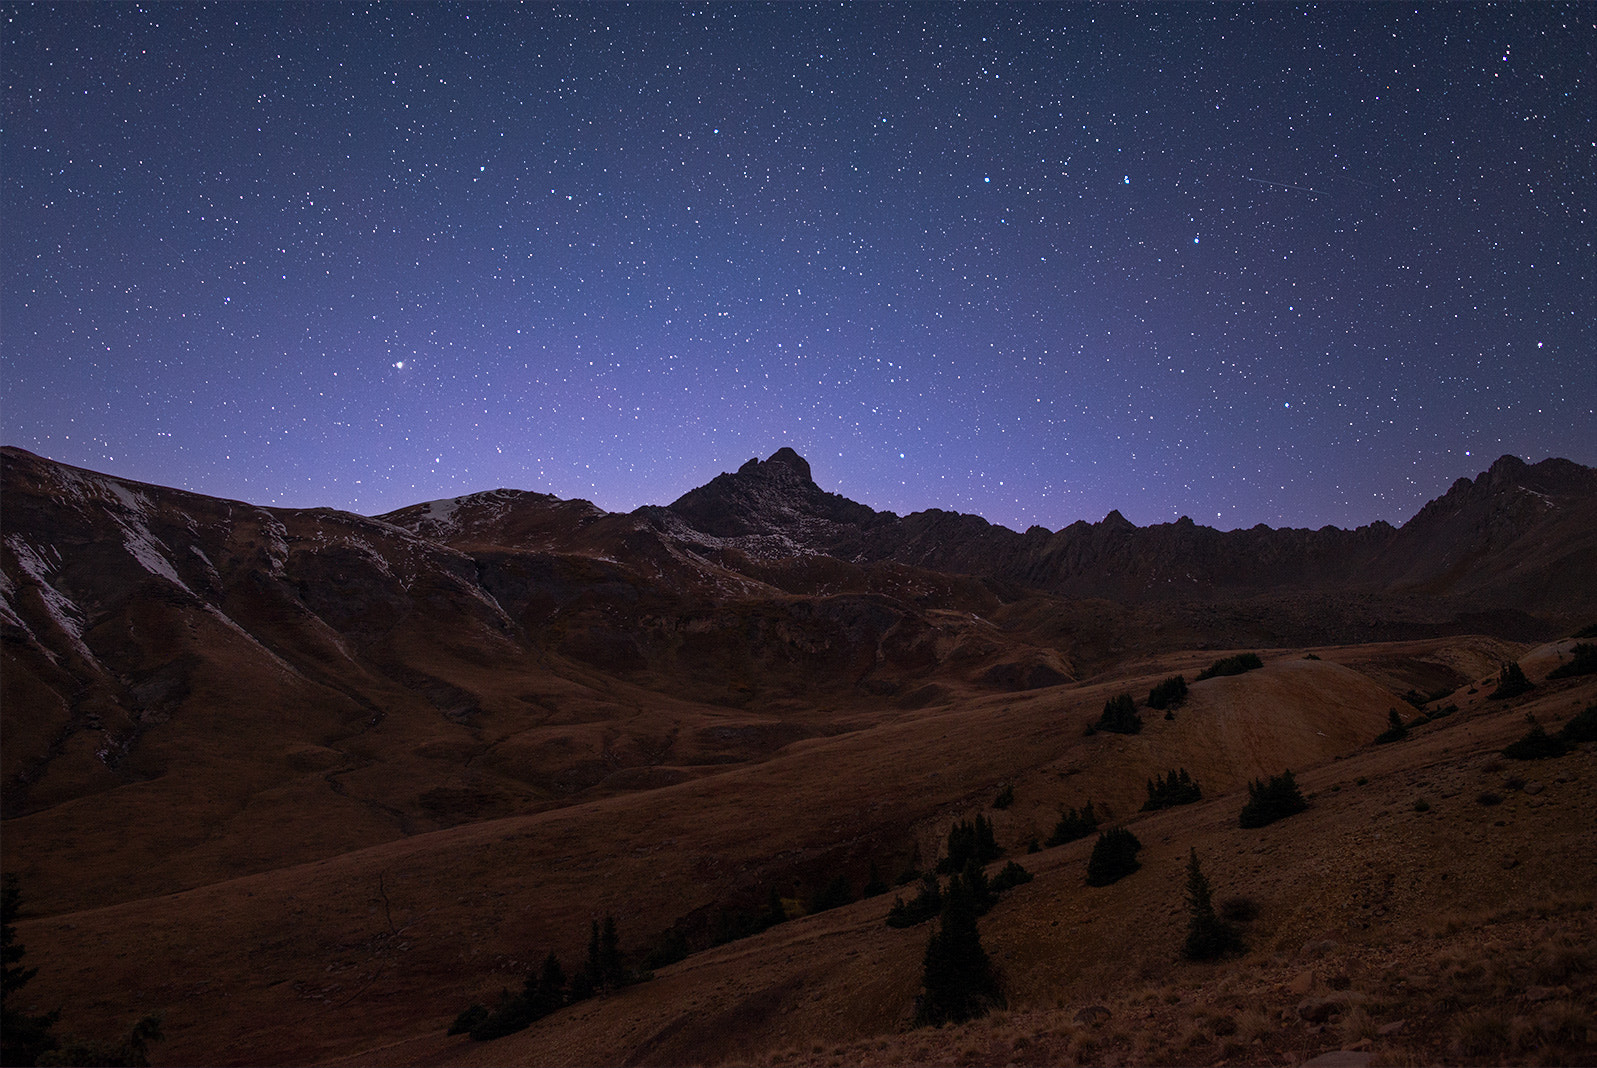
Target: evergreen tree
{"type": "Point", "coordinates": [1208, 936]}
{"type": "Point", "coordinates": [1273, 800]}
{"type": "Point", "coordinates": [548, 993]}
{"type": "Point", "coordinates": [1395, 731]}
{"type": "Point", "coordinates": [957, 976]}
{"type": "Point", "coordinates": [1114, 856]}
{"type": "Point", "coordinates": [874, 886]}
{"type": "Point", "coordinates": [24, 1037]}
{"type": "Point", "coordinates": [1231, 665]}
{"type": "Point", "coordinates": [1074, 824]}
{"type": "Point", "coordinates": [1174, 788]}
{"type": "Point", "coordinates": [1169, 693]}
{"type": "Point", "coordinates": [1510, 683]}
{"type": "Point", "coordinates": [1120, 716]}
{"type": "Point", "coordinates": [968, 841]}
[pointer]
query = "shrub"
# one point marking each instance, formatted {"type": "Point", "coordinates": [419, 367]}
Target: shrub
{"type": "Point", "coordinates": [1231, 665]}
{"type": "Point", "coordinates": [1511, 682]}
{"type": "Point", "coordinates": [1208, 936]}
{"type": "Point", "coordinates": [1273, 800]}
{"type": "Point", "coordinates": [1119, 716]}
{"type": "Point", "coordinates": [1114, 856]}
{"type": "Point", "coordinates": [1073, 825]}
{"type": "Point", "coordinates": [1536, 744]}
{"type": "Point", "coordinates": [967, 841]}
{"type": "Point", "coordinates": [1176, 788]}
{"type": "Point", "coordinates": [1395, 730]}
{"type": "Point", "coordinates": [1005, 798]}
{"type": "Point", "coordinates": [1486, 797]}
{"type": "Point", "coordinates": [1169, 693]}
{"type": "Point", "coordinates": [957, 977]}
{"type": "Point", "coordinates": [1421, 805]}
{"type": "Point", "coordinates": [1583, 661]}
{"type": "Point", "coordinates": [1011, 876]}
{"type": "Point", "coordinates": [1582, 728]}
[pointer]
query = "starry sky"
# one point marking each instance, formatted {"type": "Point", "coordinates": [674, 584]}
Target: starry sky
{"type": "Point", "coordinates": [1287, 264]}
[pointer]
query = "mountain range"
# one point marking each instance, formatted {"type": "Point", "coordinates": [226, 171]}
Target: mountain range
{"type": "Point", "coordinates": [201, 692]}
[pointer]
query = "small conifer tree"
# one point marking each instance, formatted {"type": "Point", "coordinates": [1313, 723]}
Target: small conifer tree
{"type": "Point", "coordinates": [1208, 936]}
{"type": "Point", "coordinates": [957, 976]}
{"type": "Point", "coordinates": [1395, 731]}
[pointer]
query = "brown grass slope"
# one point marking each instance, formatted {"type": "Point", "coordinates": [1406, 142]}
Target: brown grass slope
{"type": "Point", "coordinates": [1460, 934]}
{"type": "Point", "coordinates": [386, 943]}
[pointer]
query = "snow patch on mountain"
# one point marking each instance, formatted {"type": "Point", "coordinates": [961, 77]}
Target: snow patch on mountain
{"type": "Point", "coordinates": [62, 611]}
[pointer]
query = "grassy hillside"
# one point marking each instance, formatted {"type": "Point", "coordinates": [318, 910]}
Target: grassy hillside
{"type": "Point", "coordinates": [1444, 919]}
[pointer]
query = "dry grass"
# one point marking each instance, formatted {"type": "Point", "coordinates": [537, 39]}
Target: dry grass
{"type": "Point", "coordinates": [1423, 915]}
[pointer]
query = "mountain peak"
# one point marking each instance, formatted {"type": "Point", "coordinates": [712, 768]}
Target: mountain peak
{"type": "Point", "coordinates": [780, 462]}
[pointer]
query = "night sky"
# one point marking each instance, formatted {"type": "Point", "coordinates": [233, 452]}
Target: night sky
{"type": "Point", "coordinates": [1248, 264]}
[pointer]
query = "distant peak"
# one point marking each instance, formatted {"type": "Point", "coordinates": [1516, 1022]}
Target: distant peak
{"type": "Point", "coordinates": [787, 456]}
{"type": "Point", "coordinates": [784, 458]}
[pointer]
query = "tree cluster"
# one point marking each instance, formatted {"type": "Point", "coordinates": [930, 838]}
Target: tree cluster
{"type": "Point", "coordinates": [1169, 693]}
{"type": "Point", "coordinates": [1114, 856]}
{"type": "Point", "coordinates": [1231, 665]}
{"type": "Point", "coordinates": [1176, 787]}
{"type": "Point", "coordinates": [1511, 682]}
{"type": "Point", "coordinates": [1582, 661]}
{"type": "Point", "coordinates": [1074, 824]}
{"type": "Point", "coordinates": [548, 990]}
{"type": "Point", "coordinates": [967, 841]}
{"type": "Point", "coordinates": [1537, 744]}
{"type": "Point", "coordinates": [932, 899]}
{"type": "Point", "coordinates": [958, 980]}
{"type": "Point", "coordinates": [1273, 800]}
{"type": "Point", "coordinates": [1119, 716]}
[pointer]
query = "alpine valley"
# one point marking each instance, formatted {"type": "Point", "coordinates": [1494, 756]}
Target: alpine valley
{"type": "Point", "coordinates": [309, 784]}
